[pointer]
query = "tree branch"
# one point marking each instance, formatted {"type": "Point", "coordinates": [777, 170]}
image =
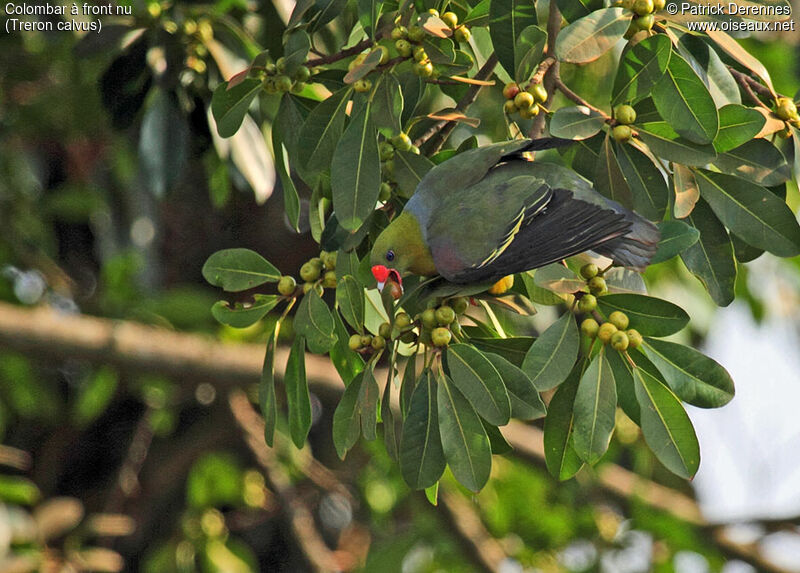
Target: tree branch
{"type": "Point", "coordinates": [551, 72]}
{"type": "Point", "coordinates": [357, 49]}
{"type": "Point", "coordinates": [440, 131]}
{"type": "Point", "coordinates": [571, 95]}
{"type": "Point", "coordinates": [751, 86]}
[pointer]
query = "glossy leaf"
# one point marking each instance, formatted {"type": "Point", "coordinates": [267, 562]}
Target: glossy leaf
{"type": "Point", "coordinates": [387, 104]}
{"type": "Point", "coordinates": [676, 237]}
{"type": "Point", "coordinates": [712, 70]}
{"type": "Point", "coordinates": [507, 20]}
{"type": "Point", "coordinates": [295, 50]}
{"type": "Point", "coordinates": [421, 455]}
{"type": "Point", "coordinates": [291, 199]}
{"type": "Point", "coordinates": [646, 183]}
{"type": "Point", "coordinates": [687, 191]}
{"type": "Point", "coordinates": [710, 259]}
{"type": "Point", "coordinates": [594, 410]}
{"type": "Point", "coordinates": [475, 376]}
{"type": "Point", "coordinates": [572, 10]}
{"type": "Point", "coordinates": [526, 404]}
{"type": "Point", "coordinates": [347, 362]}
{"type": "Point", "coordinates": [666, 426]}
{"type": "Point", "coordinates": [667, 144]}
{"type": "Point", "coordinates": [592, 36]}
{"type": "Point", "coordinates": [229, 106]}
{"type": "Point", "coordinates": [368, 403]}
{"type": "Point", "coordinates": [576, 122]}
{"type": "Point", "coordinates": [737, 125]}
{"type": "Point", "coordinates": [350, 300]}
{"type": "Point", "coordinates": [560, 456]}
{"type": "Point", "coordinates": [623, 380]}
{"type": "Point", "coordinates": [640, 68]}
{"type": "Point", "coordinates": [684, 102]}
{"type": "Point", "coordinates": [243, 316]}
{"type": "Point", "coordinates": [528, 52]}
{"type": "Point", "coordinates": [757, 161]}
{"type": "Point", "coordinates": [315, 322]}
{"type": "Point", "coordinates": [649, 315]}
{"type": "Point", "coordinates": [609, 179]}
{"type": "Point", "coordinates": [347, 417]}
{"type": "Point", "coordinates": [236, 270]}
{"type": "Point", "coordinates": [297, 398]}
{"type": "Point", "coordinates": [356, 172]}
{"type": "Point", "coordinates": [550, 359]}
{"type": "Point", "coordinates": [266, 391]}
{"type": "Point", "coordinates": [694, 377]}
{"type": "Point", "coordinates": [755, 214]}
{"type": "Point", "coordinates": [512, 349]}
{"type": "Point", "coordinates": [738, 53]}
{"type": "Point", "coordinates": [320, 134]}
{"type": "Point", "coordinates": [409, 169]}
{"type": "Point", "coordinates": [464, 441]}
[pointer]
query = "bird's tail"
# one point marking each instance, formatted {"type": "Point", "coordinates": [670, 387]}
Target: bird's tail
{"type": "Point", "coordinates": [635, 248]}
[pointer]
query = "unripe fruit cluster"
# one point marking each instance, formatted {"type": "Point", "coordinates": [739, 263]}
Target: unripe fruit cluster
{"type": "Point", "coordinates": [594, 279]}
{"type": "Point", "coordinates": [196, 34]}
{"type": "Point", "coordinates": [365, 342]}
{"type": "Point", "coordinates": [643, 13]}
{"type": "Point", "coordinates": [525, 102]}
{"type": "Point", "coordinates": [276, 81]}
{"type": "Point", "coordinates": [624, 116]}
{"type": "Point", "coordinates": [317, 272]}
{"type": "Point", "coordinates": [438, 324]}
{"type": "Point", "coordinates": [363, 85]}
{"type": "Point", "coordinates": [386, 150]}
{"type": "Point", "coordinates": [613, 331]}
{"type": "Point", "coordinates": [786, 109]}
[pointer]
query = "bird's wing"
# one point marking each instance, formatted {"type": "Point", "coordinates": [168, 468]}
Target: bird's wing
{"type": "Point", "coordinates": [472, 227]}
{"type": "Point", "coordinates": [469, 168]}
{"type": "Point", "coordinates": [564, 227]}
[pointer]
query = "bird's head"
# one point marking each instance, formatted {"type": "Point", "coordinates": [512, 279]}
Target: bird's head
{"type": "Point", "coordinates": [400, 250]}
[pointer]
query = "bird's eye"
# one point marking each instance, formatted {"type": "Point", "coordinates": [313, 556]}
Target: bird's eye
{"type": "Point", "coordinates": [390, 256]}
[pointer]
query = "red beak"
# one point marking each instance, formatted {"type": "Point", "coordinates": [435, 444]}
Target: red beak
{"type": "Point", "coordinates": [382, 274]}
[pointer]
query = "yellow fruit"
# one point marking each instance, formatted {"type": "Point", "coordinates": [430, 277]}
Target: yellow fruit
{"type": "Point", "coordinates": [589, 327]}
{"type": "Point", "coordinates": [523, 100]}
{"type": "Point", "coordinates": [621, 133]}
{"type": "Point", "coordinates": [634, 338]}
{"type": "Point", "coordinates": [619, 341]}
{"type": "Point", "coordinates": [605, 332]}
{"type": "Point", "coordinates": [589, 271]}
{"type": "Point", "coordinates": [502, 285]}
{"type": "Point", "coordinates": [619, 319]}
{"type": "Point", "coordinates": [441, 336]}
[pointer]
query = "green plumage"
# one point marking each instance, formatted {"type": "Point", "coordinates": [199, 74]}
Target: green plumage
{"type": "Point", "coordinates": [490, 212]}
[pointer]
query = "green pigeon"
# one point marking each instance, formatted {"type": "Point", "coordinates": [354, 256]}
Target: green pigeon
{"type": "Point", "coordinates": [489, 212]}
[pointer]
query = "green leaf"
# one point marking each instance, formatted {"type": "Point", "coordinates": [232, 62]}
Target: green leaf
{"type": "Point", "coordinates": [350, 299]}
{"type": "Point", "coordinates": [243, 316]}
{"type": "Point", "coordinates": [640, 69]}
{"type": "Point", "coordinates": [387, 413]}
{"type": "Point", "coordinates": [712, 70]}
{"type": "Point", "coordinates": [464, 441]}
{"type": "Point", "coordinates": [409, 169]}
{"type": "Point", "coordinates": [479, 381]}
{"type": "Point", "coordinates": [694, 377]}
{"type": "Point", "coordinates": [421, 455]}
{"type": "Point", "coordinates": [684, 102]}
{"type": "Point", "coordinates": [369, 63]}
{"type": "Point", "coordinates": [649, 315]}
{"type": "Point", "coordinates": [295, 50]}
{"type": "Point", "coordinates": [710, 259]}
{"type": "Point", "coordinates": [229, 106]}
{"type": "Point", "coordinates": [497, 440]}
{"type": "Point", "coordinates": [623, 379]}
{"type": "Point", "coordinates": [368, 403]}
{"type": "Point", "coordinates": [590, 37]}
{"type": "Point", "coordinates": [676, 237]}
{"type": "Point", "coordinates": [560, 456]}
{"type": "Point", "coordinates": [314, 321]}
{"type": "Point", "coordinates": [526, 404]}
{"type": "Point", "coordinates": [550, 359]}
{"type": "Point", "coordinates": [347, 362]}
{"type": "Point", "coordinates": [347, 417]}
{"type": "Point", "coordinates": [528, 52]}
{"type": "Point", "coordinates": [163, 143]}
{"type": "Point", "coordinates": [666, 143]}
{"type": "Point", "coordinates": [368, 13]}
{"type": "Point", "coordinates": [291, 199]}
{"type": "Point", "coordinates": [576, 122]}
{"type": "Point", "coordinates": [266, 390]}
{"type": "Point", "coordinates": [571, 10]}
{"type": "Point", "coordinates": [297, 398]}
{"type": "Point", "coordinates": [432, 494]}
{"type": "Point", "coordinates": [737, 125]}
{"type": "Point", "coordinates": [236, 270]}
{"type": "Point", "coordinates": [320, 134]}
{"type": "Point", "coordinates": [757, 161]}
{"type": "Point", "coordinates": [558, 278]}
{"type": "Point", "coordinates": [666, 426]}
{"type": "Point", "coordinates": [356, 172]}
{"type": "Point", "coordinates": [755, 214]}
{"type": "Point", "coordinates": [408, 385]}
{"type": "Point", "coordinates": [512, 349]}
{"type": "Point", "coordinates": [594, 410]}
{"type": "Point", "coordinates": [507, 20]}
{"type": "Point", "coordinates": [647, 185]}
{"type": "Point", "coordinates": [387, 104]}
{"type": "Point", "coordinates": [609, 179]}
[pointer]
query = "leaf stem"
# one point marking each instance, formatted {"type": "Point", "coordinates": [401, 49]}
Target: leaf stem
{"type": "Point", "coordinates": [571, 95]}
{"type": "Point", "coordinates": [357, 49]}
{"type": "Point", "coordinates": [751, 86]}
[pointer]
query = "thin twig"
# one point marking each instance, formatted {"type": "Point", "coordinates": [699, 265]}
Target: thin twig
{"type": "Point", "coordinates": [748, 84]}
{"type": "Point", "coordinates": [357, 49]}
{"type": "Point", "coordinates": [439, 133]}
{"type": "Point", "coordinates": [538, 76]}
{"type": "Point", "coordinates": [571, 95]}
{"type": "Point", "coordinates": [551, 72]}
